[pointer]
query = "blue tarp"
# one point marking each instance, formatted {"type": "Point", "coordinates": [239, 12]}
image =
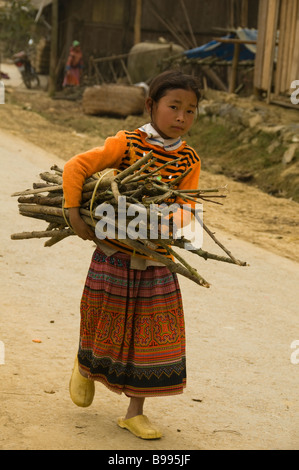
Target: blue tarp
{"type": "Point", "coordinates": [225, 51]}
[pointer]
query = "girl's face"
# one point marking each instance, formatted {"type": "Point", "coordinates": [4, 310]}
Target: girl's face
{"type": "Point", "coordinates": [173, 115]}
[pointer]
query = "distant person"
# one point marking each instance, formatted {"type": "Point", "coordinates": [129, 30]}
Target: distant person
{"type": "Point", "coordinates": [74, 66]}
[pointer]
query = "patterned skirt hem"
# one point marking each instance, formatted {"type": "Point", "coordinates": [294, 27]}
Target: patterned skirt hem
{"type": "Point", "coordinates": [132, 391]}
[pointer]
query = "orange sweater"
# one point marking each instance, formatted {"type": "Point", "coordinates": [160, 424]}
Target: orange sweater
{"type": "Point", "coordinates": [116, 153]}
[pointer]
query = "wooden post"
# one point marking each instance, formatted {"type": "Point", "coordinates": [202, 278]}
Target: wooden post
{"type": "Point", "coordinates": [260, 45]}
{"type": "Point", "coordinates": [233, 80]}
{"type": "Point", "coordinates": [209, 72]}
{"type": "Point", "coordinates": [294, 73]}
{"type": "Point", "coordinates": [137, 23]}
{"type": "Point", "coordinates": [188, 23]}
{"type": "Point", "coordinates": [269, 52]}
{"type": "Point", "coordinates": [232, 14]}
{"type": "Point", "coordinates": [126, 71]}
{"type": "Point", "coordinates": [237, 44]}
{"type": "Point", "coordinates": [54, 47]}
{"type": "Point", "coordinates": [244, 14]}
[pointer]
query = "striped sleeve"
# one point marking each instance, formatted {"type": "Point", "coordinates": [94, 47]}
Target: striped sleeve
{"type": "Point", "coordinates": [190, 181]}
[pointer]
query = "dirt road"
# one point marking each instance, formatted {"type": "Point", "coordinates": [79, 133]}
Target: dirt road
{"type": "Point", "coordinates": [242, 372]}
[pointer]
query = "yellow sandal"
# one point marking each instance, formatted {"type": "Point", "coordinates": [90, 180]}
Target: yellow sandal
{"type": "Point", "coordinates": [140, 426]}
{"type": "Point", "coordinates": [81, 389]}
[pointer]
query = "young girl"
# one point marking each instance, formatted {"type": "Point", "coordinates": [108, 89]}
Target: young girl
{"type": "Point", "coordinates": [132, 334]}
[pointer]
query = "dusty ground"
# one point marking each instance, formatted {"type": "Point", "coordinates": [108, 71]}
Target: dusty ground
{"type": "Point", "coordinates": [242, 379]}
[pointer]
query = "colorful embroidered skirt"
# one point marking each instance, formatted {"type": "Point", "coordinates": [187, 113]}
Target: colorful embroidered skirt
{"type": "Point", "coordinates": [132, 334]}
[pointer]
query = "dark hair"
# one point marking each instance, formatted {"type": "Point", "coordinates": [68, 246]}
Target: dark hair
{"type": "Point", "coordinates": [172, 80]}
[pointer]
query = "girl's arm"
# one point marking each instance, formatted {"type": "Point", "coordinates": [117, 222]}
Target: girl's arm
{"type": "Point", "coordinates": [182, 217]}
{"type": "Point", "coordinates": [80, 167]}
{"type": "Point", "coordinates": [189, 182]}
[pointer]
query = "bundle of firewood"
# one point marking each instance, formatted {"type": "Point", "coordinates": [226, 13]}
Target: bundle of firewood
{"type": "Point", "coordinates": [141, 183]}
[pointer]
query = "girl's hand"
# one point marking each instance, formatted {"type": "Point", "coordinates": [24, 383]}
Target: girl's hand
{"type": "Point", "coordinates": [79, 226]}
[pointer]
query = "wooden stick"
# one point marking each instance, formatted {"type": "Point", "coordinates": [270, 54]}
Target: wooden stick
{"type": "Point", "coordinates": [57, 169]}
{"type": "Point", "coordinates": [188, 23]}
{"type": "Point", "coordinates": [141, 171]}
{"type": "Point", "coordinates": [157, 169]}
{"type": "Point", "coordinates": [179, 178]}
{"type": "Point", "coordinates": [46, 176]}
{"type": "Point", "coordinates": [115, 190]}
{"type": "Point", "coordinates": [221, 245]}
{"type": "Point", "coordinates": [41, 185]}
{"type": "Point", "coordinates": [191, 270]}
{"type": "Point", "coordinates": [172, 31]}
{"type": "Point", "coordinates": [158, 199]}
{"type": "Point", "coordinates": [205, 254]}
{"type": "Point", "coordinates": [57, 238]}
{"type": "Point", "coordinates": [38, 190]}
{"type": "Point", "coordinates": [133, 167]}
{"type": "Point", "coordinates": [37, 208]}
{"type": "Point", "coordinates": [47, 218]}
{"type": "Point", "coordinates": [41, 234]}
{"type": "Point", "coordinates": [104, 183]}
{"type": "Point", "coordinates": [43, 200]}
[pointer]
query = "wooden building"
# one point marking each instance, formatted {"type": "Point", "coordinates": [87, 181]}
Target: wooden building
{"type": "Point", "coordinates": [107, 27]}
{"type": "Point", "coordinates": [277, 57]}
{"type": "Point", "coordinates": [111, 27]}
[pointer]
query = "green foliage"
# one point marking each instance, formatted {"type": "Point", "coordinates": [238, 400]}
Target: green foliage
{"type": "Point", "coordinates": [16, 26]}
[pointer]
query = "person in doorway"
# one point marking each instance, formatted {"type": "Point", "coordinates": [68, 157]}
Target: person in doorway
{"type": "Point", "coordinates": [74, 66]}
{"type": "Point", "coordinates": [132, 334]}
